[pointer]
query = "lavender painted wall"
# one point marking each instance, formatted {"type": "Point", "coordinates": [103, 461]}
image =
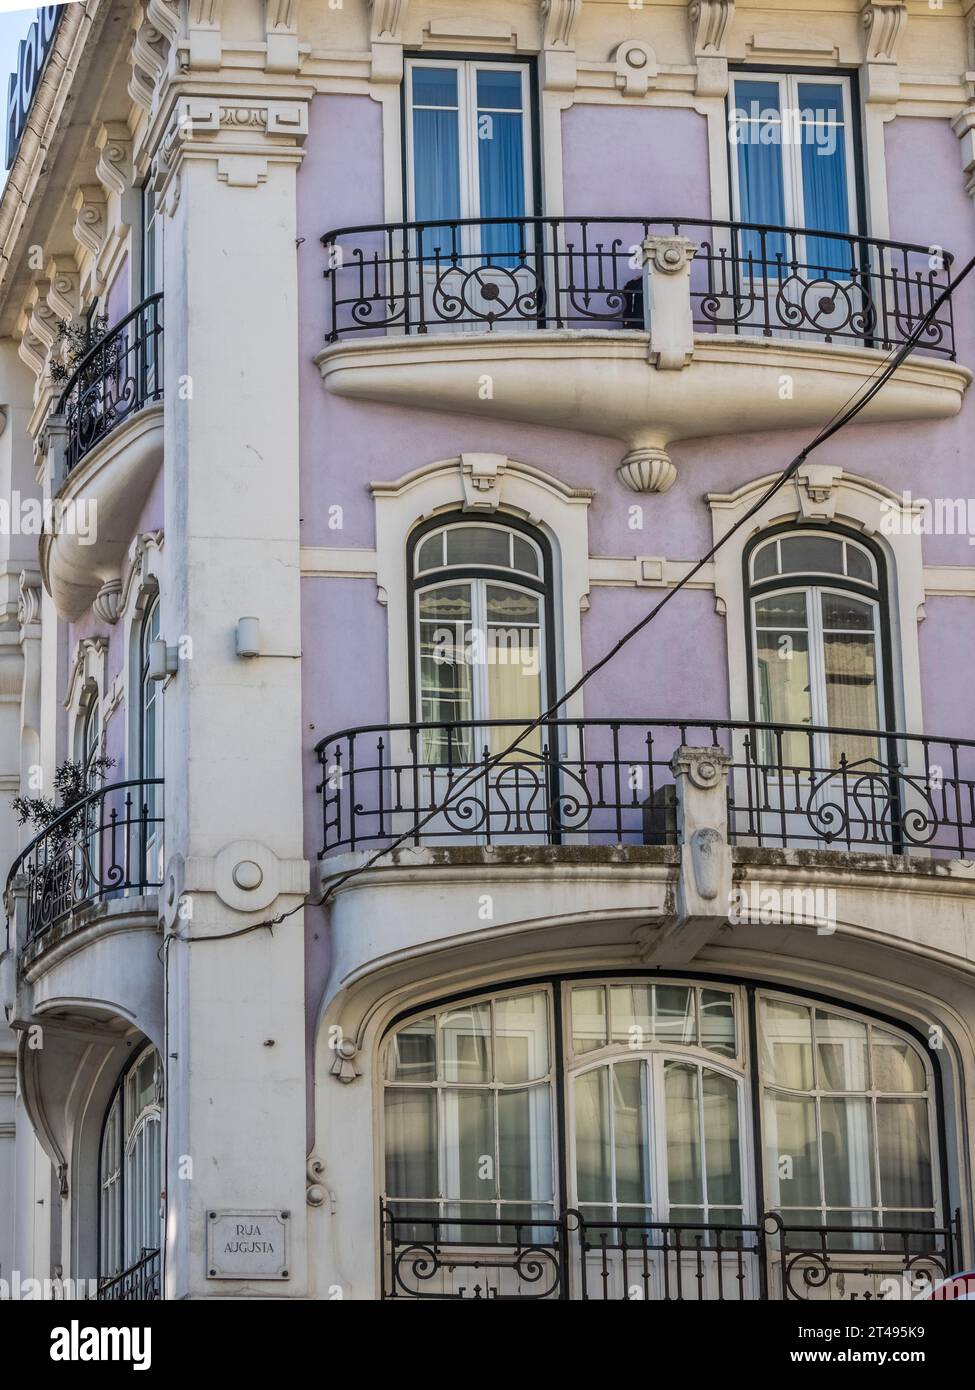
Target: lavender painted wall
{"type": "Point", "coordinates": [649, 160]}
{"type": "Point", "coordinates": [117, 299]}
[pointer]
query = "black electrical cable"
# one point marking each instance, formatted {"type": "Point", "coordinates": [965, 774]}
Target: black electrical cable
{"type": "Point", "coordinates": [840, 419]}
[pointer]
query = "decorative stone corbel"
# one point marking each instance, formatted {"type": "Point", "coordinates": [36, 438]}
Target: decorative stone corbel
{"type": "Point", "coordinates": [29, 601]}
{"type": "Point", "coordinates": [558, 56]}
{"type": "Point", "coordinates": [114, 168]}
{"type": "Point", "coordinates": [343, 1067]}
{"type": "Point", "coordinates": [281, 33]}
{"type": "Point", "coordinates": [386, 36]}
{"type": "Point", "coordinates": [203, 28]}
{"type": "Point", "coordinates": [107, 603]}
{"type": "Point", "coordinates": [636, 68]}
{"type": "Point", "coordinates": [89, 220]}
{"type": "Point", "coordinates": [43, 319]}
{"type": "Point", "coordinates": [710, 21]}
{"type": "Point", "coordinates": [64, 280]}
{"type": "Point", "coordinates": [704, 883]}
{"type": "Point", "coordinates": [647, 468]}
{"type": "Point", "coordinates": [154, 37]}
{"type": "Point", "coordinates": [481, 476]}
{"type": "Point", "coordinates": [883, 27]}
{"type": "Point", "coordinates": [316, 1193]}
{"type": "Point", "coordinates": [667, 299]}
{"type": "Point", "coordinates": [30, 349]}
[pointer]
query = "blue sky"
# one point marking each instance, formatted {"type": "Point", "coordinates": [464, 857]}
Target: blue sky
{"type": "Point", "coordinates": [15, 20]}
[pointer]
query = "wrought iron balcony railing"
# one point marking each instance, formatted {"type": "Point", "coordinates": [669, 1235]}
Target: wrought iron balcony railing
{"type": "Point", "coordinates": [579, 1257]}
{"type": "Point", "coordinates": [107, 845]}
{"type": "Point", "coordinates": [586, 272]}
{"type": "Point", "coordinates": [609, 781]}
{"type": "Point", "coordinates": [140, 1283]}
{"type": "Point", "coordinates": [119, 375]}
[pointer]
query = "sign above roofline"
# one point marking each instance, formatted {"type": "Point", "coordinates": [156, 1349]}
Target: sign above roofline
{"type": "Point", "coordinates": [31, 57]}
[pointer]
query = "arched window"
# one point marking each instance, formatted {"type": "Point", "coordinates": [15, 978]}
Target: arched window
{"type": "Point", "coordinates": [89, 742]}
{"type": "Point", "coordinates": [817, 629]}
{"type": "Point", "coordinates": [129, 1167]}
{"type": "Point", "coordinates": [150, 751]}
{"type": "Point", "coordinates": [481, 635]}
{"type": "Point", "coordinates": [665, 1117]}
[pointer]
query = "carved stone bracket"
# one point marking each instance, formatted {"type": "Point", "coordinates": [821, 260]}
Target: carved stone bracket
{"type": "Point", "coordinates": [481, 476]}
{"type": "Point", "coordinates": [89, 221]}
{"type": "Point", "coordinates": [316, 1193]}
{"type": "Point", "coordinates": [558, 57]}
{"type": "Point", "coordinates": [281, 34]}
{"type": "Point", "coordinates": [883, 28]}
{"type": "Point", "coordinates": [29, 601]}
{"type": "Point", "coordinates": [64, 281]}
{"type": "Point", "coordinates": [203, 28]}
{"type": "Point", "coordinates": [386, 36]}
{"type": "Point", "coordinates": [151, 47]}
{"type": "Point", "coordinates": [114, 168]}
{"type": "Point", "coordinates": [710, 22]}
{"type": "Point", "coordinates": [107, 603]}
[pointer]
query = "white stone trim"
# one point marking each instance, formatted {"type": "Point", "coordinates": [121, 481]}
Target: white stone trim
{"type": "Point", "coordinates": [518, 489]}
{"type": "Point", "coordinates": [826, 495]}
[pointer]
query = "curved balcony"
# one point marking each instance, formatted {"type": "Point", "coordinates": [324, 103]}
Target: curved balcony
{"type": "Point", "coordinates": [611, 782]}
{"type": "Point", "coordinates": [105, 448]}
{"type": "Point", "coordinates": [106, 847]}
{"type": "Point", "coordinates": [649, 330]}
{"type": "Point", "coordinates": [121, 374]}
{"type": "Point", "coordinates": [585, 272]}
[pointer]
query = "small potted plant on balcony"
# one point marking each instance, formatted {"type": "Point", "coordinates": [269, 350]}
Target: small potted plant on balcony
{"type": "Point", "coordinates": [73, 781]}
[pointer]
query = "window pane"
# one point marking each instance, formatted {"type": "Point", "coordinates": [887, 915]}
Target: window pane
{"type": "Point", "coordinates": [782, 611]}
{"type": "Point", "coordinates": [904, 1153]}
{"type": "Point", "coordinates": [765, 562]}
{"type": "Point", "coordinates": [684, 1177]}
{"type": "Point", "coordinates": [429, 555]}
{"type": "Point", "coordinates": [434, 86]}
{"type": "Point", "coordinates": [479, 545]}
{"type": "Point", "coordinates": [521, 1037]}
{"type": "Point", "coordinates": [783, 686]}
{"type": "Point", "coordinates": [722, 1146]}
{"type": "Point", "coordinates": [526, 556]}
{"type": "Point", "coordinates": [851, 699]}
{"type": "Point", "coordinates": [791, 1154]}
{"type": "Point", "coordinates": [858, 565]}
{"type": "Point", "coordinates": [787, 1044]}
{"type": "Point", "coordinates": [841, 1045]}
{"type": "Point", "coordinates": [630, 1117]}
{"type": "Point", "coordinates": [761, 183]}
{"type": "Point", "coordinates": [411, 1055]}
{"type": "Point", "coordinates": [594, 1174]}
{"type": "Point", "coordinates": [674, 1010]}
{"type": "Point", "coordinates": [718, 1022]}
{"type": "Point", "coordinates": [632, 1014]}
{"type": "Point", "coordinates": [445, 672]}
{"type": "Point", "coordinates": [525, 1144]}
{"type": "Point", "coordinates": [811, 555]}
{"type": "Point", "coordinates": [896, 1064]}
{"type": "Point", "coordinates": [466, 1043]}
{"type": "Point", "coordinates": [514, 665]}
{"type": "Point", "coordinates": [469, 1162]}
{"type": "Point", "coordinates": [498, 88]}
{"type": "Point", "coordinates": [849, 614]}
{"type": "Point", "coordinates": [411, 1143]}
{"type": "Point", "coordinates": [848, 1165]}
{"type": "Point", "coordinates": [588, 1019]}
{"type": "Point", "coordinates": [436, 170]}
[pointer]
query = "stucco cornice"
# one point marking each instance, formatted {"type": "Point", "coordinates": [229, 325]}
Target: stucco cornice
{"type": "Point", "coordinates": [43, 127]}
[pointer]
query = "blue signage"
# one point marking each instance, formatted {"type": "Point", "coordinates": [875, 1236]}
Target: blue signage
{"type": "Point", "coordinates": [31, 57]}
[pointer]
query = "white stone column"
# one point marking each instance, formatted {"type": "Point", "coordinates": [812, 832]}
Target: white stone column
{"type": "Point", "coordinates": [236, 1011]}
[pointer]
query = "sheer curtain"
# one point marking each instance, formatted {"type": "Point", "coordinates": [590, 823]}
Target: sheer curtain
{"type": "Point", "coordinates": [824, 178]}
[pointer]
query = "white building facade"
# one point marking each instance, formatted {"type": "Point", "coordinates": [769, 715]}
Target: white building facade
{"type": "Point", "coordinates": [367, 369]}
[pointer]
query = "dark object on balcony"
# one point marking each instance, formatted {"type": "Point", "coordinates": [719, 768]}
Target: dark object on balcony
{"type": "Point", "coordinates": [633, 316]}
{"type": "Point", "coordinates": [119, 375]}
{"type": "Point", "coordinates": [589, 781]}
{"type": "Point", "coordinates": [577, 272]}
{"type": "Point", "coordinates": [660, 817]}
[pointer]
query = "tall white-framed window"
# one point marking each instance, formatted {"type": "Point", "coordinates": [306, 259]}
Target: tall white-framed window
{"type": "Point", "coordinates": [793, 164]}
{"type": "Point", "coordinates": [89, 741]}
{"type": "Point", "coordinates": [848, 1116]}
{"type": "Point", "coordinates": [469, 151]}
{"type": "Point", "coordinates": [480, 635]}
{"type": "Point", "coordinates": [818, 644]}
{"type": "Point", "coordinates": [130, 1171]}
{"type": "Point", "coordinates": [152, 243]}
{"type": "Point", "coordinates": [150, 749]}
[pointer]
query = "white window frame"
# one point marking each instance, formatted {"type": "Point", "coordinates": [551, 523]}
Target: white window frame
{"type": "Point", "coordinates": [467, 137]}
{"type": "Point", "coordinates": [788, 86]}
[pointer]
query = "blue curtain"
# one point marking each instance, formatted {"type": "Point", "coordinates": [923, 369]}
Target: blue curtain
{"type": "Point", "coordinates": [761, 182]}
{"type": "Point", "coordinates": [501, 162]}
{"type": "Point", "coordinates": [436, 154]}
{"type": "Point", "coordinates": [824, 178]}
